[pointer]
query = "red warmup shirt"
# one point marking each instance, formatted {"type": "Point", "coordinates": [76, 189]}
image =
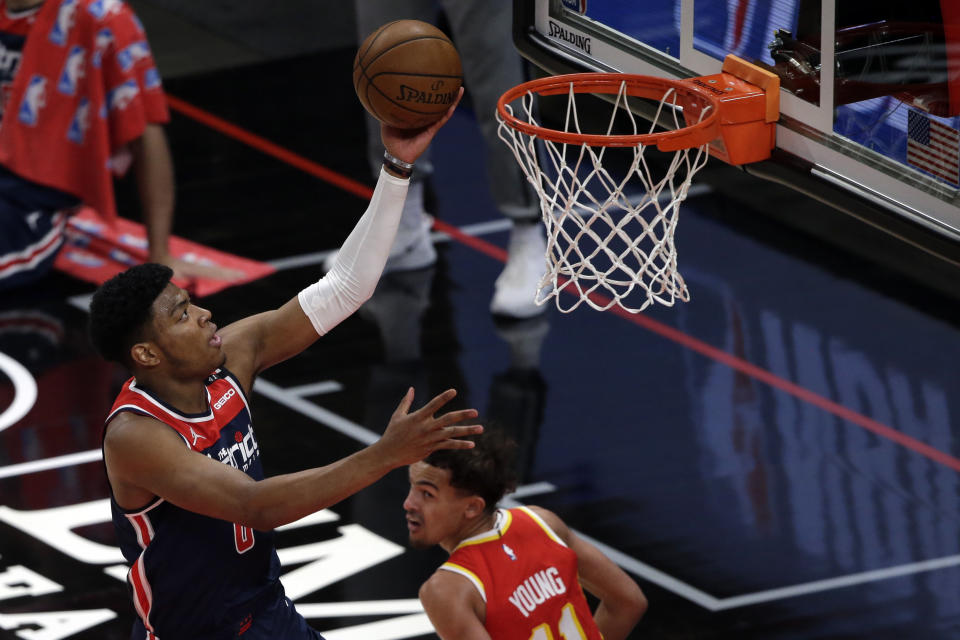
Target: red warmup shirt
{"type": "Point", "coordinates": [528, 578]}
{"type": "Point", "coordinates": [83, 86]}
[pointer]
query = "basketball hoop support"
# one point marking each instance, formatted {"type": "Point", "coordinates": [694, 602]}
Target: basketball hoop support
{"type": "Point", "coordinates": [749, 108]}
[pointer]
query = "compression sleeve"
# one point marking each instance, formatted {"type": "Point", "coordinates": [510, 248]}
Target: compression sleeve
{"type": "Point", "coordinates": [361, 259]}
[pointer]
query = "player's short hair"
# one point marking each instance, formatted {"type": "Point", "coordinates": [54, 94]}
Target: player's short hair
{"type": "Point", "coordinates": [487, 470]}
{"type": "Point", "coordinates": [121, 307]}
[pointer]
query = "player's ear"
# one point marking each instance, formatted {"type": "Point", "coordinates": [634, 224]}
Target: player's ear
{"type": "Point", "coordinates": [475, 506]}
{"type": "Point", "coordinates": [144, 354]}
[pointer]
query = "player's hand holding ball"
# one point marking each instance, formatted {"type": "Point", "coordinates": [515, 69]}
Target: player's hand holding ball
{"type": "Point", "coordinates": [408, 76]}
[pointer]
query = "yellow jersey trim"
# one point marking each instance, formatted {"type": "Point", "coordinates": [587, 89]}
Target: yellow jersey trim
{"type": "Point", "coordinates": [469, 575]}
{"type": "Point", "coordinates": [491, 535]}
{"type": "Point", "coordinates": [543, 525]}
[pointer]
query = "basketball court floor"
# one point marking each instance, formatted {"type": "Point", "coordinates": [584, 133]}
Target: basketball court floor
{"type": "Point", "coordinates": [774, 459]}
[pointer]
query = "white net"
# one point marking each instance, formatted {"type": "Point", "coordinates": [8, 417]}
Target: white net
{"type": "Point", "coordinates": [610, 231]}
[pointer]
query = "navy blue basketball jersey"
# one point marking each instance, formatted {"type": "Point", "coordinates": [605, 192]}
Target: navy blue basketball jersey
{"type": "Point", "coordinates": [192, 576]}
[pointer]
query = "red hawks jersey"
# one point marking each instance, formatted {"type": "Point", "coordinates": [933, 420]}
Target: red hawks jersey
{"type": "Point", "coordinates": [527, 577]}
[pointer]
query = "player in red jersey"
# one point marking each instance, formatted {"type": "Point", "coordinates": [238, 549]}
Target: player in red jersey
{"type": "Point", "coordinates": [513, 574]}
{"type": "Point", "coordinates": [191, 506]}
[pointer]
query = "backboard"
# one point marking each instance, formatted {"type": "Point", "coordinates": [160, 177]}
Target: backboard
{"type": "Point", "coordinates": [870, 91]}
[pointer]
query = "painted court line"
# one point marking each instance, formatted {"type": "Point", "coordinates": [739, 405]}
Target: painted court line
{"type": "Point", "coordinates": [317, 257]}
{"type": "Point", "coordinates": [262, 144]}
{"type": "Point", "coordinates": [838, 582]}
{"type": "Point", "coordinates": [315, 389]}
{"type": "Point", "coordinates": [323, 416]}
{"type": "Point", "coordinates": [359, 608]}
{"type": "Point", "coordinates": [24, 468]}
{"type": "Point", "coordinates": [24, 391]}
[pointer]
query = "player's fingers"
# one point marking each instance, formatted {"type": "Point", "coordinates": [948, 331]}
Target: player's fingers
{"type": "Point", "coordinates": [438, 401]}
{"type": "Point", "coordinates": [405, 403]}
{"type": "Point", "coordinates": [463, 430]}
{"type": "Point", "coordinates": [446, 116]}
{"type": "Point", "coordinates": [455, 444]}
{"type": "Point", "coordinates": [454, 417]}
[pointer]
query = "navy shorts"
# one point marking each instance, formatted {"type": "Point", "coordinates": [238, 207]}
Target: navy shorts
{"type": "Point", "coordinates": [270, 616]}
{"type": "Point", "coordinates": [28, 244]}
{"type": "Point", "coordinates": [277, 619]}
{"type": "Point", "coordinates": [32, 222]}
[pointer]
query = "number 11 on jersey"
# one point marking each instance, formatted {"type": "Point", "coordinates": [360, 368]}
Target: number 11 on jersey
{"type": "Point", "coordinates": [569, 627]}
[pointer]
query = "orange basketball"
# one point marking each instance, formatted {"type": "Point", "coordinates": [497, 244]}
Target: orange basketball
{"type": "Point", "coordinates": [407, 73]}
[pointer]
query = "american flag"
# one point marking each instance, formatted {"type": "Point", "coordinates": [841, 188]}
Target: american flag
{"type": "Point", "coordinates": [933, 147]}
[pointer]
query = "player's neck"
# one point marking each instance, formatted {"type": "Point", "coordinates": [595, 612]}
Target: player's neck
{"type": "Point", "coordinates": [481, 525]}
{"type": "Point", "coordinates": [185, 395]}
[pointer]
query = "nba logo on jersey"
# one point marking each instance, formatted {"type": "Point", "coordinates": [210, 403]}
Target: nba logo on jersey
{"type": "Point", "coordinates": [72, 71]}
{"type": "Point", "coordinates": [64, 22]}
{"type": "Point", "coordinates": [102, 8]}
{"type": "Point", "coordinates": [151, 78]}
{"type": "Point", "coordinates": [103, 40]}
{"type": "Point", "coordinates": [34, 99]}
{"type": "Point", "coordinates": [580, 6]}
{"type": "Point", "coordinates": [510, 554]}
{"type": "Point", "coordinates": [122, 95]}
{"type": "Point", "coordinates": [133, 54]}
{"type": "Point", "coordinates": [80, 123]}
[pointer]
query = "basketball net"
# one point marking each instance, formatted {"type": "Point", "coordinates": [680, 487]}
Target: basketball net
{"type": "Point", "coordinates": [610, 238]}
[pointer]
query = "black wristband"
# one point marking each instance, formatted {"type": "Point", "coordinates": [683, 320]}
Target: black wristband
{"type": "Point", "coordinates": [397, 166]}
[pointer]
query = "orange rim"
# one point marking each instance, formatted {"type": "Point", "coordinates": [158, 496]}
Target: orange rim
{"type": "Point", "coordinates": [650, 87]}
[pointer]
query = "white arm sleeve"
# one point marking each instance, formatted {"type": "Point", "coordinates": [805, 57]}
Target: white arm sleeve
{"type": "Point", "coordinates": [354, 276]}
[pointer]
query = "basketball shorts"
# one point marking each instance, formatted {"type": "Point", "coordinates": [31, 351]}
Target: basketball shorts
{"type": "Point", "coordinates": [29, 242]}
{"type": "Point", "coordinates": [32, 226]}
{"type": "Point", "coordinates": [270, 616]}
{"type": "Point", "coordinates": [276, 619]}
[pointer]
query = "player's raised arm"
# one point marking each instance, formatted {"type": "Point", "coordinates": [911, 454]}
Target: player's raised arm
{"type": "Point", "coordinates": [257, 342]}
{"type": "Point", "coordinates": [622, 603]}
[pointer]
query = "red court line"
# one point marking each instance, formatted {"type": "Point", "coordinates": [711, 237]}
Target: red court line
{"type": "Point", "coordinates": [495, 252]}
{"type": "Point", "coordinates": [473, 242]}
{"type": "Point", "coordinates": [792, 388]}
{"type": "Point", "coordinates": [262, 144]}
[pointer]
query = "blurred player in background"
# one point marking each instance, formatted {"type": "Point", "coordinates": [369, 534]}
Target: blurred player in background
{"type": "Point", "coordinates": [81, 101]}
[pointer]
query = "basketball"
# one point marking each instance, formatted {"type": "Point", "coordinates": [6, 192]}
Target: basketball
{"type": "Point", "coordinates": [407, 73]}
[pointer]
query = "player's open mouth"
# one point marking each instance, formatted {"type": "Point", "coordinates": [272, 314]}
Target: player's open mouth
{"type": "Point", "coordinates": [413, 526]}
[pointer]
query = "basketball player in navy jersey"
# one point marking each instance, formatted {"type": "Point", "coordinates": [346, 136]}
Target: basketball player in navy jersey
{"type": "Point", "coordinates": [192, 509]}
{"type": "Point", "coordinates": [513, 574]}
